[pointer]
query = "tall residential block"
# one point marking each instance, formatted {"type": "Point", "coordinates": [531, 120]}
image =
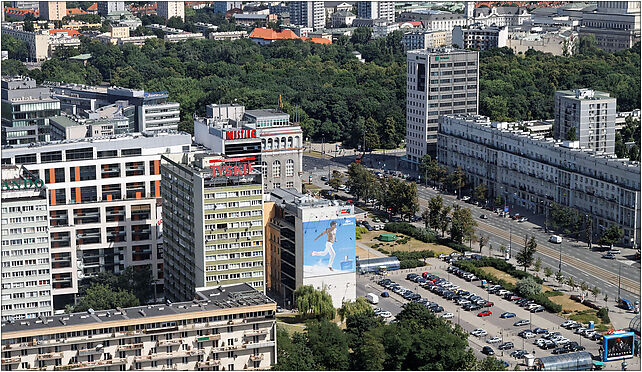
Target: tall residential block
{"type": "Point", "coordinates": [26, 109]}
{"type": "Point", "coordinates": [214, 235]}
{"type": "Point", "coordinates": [227, 329]}
{"type": "Point", "coordinates": [106, 7]}
{"type": "Point", "coordinates": [104, 203]}
{"type": "Point", "coordinates": [26, 263]}
{"type": "Point", "coordinates": [439, 82]}
{"type": "Point", "coordinates": [312, 242]}
{"type": "Point", "coordinates": [53, 10]}
{"type": "Point", "coordinates": [307, 13]}
{"type": "Point", "coordinates": [376, 10]}
{"type": "Point", "coordinates": [591, 114]}
{"type": "Point", "coordinates": [479, 36]}
{"type": "Point", "coordinates": [169, 9]}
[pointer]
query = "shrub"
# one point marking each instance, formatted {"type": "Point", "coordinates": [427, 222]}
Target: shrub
{"type": "Point", "coordinates": [410, 264]}
{"type": "Point", "coordinates": [360, 230]}
{"type": "Point", "coordinates": [421, 234]}
{"type": "Point", "coordinates": [528, 287]}
{"type": "Point", "coordinates": [603, 314]}
{"type": "Point", "coordinates": [552, 293]}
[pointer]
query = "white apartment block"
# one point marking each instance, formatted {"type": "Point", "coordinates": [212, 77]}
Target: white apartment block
{"type": "Point", "coordinates": [376, 10]}
{"type": "Point", "coordinates": [479, 36]}
{"type": "Point", "coordinates": [221, 329]}
{"type": "Point", "coordinates": [533, 171]}
{"type": "Point", "coordinates": [37, 42]}
{"type": "Point", "coordinates": [104, 203]}
{"type": "Point", "coordinates": [438, 82]}
{"type": "Point", "coordinates": [214, 235]}
{"type": "Point", "coordinates": [106, 7]}
{"type": "Point", "coordinates": [169, 9]}
{"type": "Point", "coordinates": [26, 263]}
{"type": "Point", "coordinates": [426, 39]}
{"type": "Point", "coordinates": [307, 13]}
{"type": "Point", "coordinates": [591, 113]}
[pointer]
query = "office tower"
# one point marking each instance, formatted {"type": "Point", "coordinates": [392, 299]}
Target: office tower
{"type": "Point", "coordinates": [376, 10]}
{"type": "Point", "coordinates": [224, 6]}
{"type": "Point", "coordinates": [231, 329]}
{"type": "Point", "coordinates": [534, 172]}
{"type": "Point", "coordinates": [297, 259]}
{"type": "Point", "coordinates": [439, 82]}
{"type": "Point", "coordinates": [169, 9]}
{"type": "Point", "coordinates": [231, 130]}
{"type": "Point", "coordinates": [26, 264]}
{"type": "Point", "coordinates": [26, 110]}
{"type": "Point", "coordinates": [53, 10]}
{"type": "Point", "coordinates": [214, 235]}
{"type": "Point", "coordinates": [591, 114]}
{"type": "Point", "coordinates": [104, 203]}
{"type": "Point", "coordinates": [307, 13]}
{"type": "Point", "coordinates": [106, 7]}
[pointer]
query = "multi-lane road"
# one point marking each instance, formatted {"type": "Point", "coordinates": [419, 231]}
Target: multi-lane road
{"type": "Point", "coordinates": [577, 260]}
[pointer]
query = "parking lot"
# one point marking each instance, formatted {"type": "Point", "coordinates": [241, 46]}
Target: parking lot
{"type": "Point", "coordinates": [503, 329]}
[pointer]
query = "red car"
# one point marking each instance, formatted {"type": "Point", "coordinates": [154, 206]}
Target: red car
{"type": "Point", "coordinates": [485, 313]}
{"type": "Point", "coordinates": [488, 304]}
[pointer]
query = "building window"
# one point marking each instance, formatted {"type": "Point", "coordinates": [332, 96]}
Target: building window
{"type": "Point", "coordinates": [264, 169]}
{"type": "Point", "coordinates": [289, 168]}
{"type": "Point", "coordinates": [276, 169]}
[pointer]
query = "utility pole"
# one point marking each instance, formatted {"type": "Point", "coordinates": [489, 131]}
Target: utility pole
{"type": "Point", "coordinates": [510, 241]}
{"type": "Point", "coordinates": [560, 259]}
{"type": "Point", "coordinates": [619, 276]}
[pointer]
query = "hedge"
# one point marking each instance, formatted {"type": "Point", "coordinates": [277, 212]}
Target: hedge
{"type": "Point", "coordinates": [421, 234]}
{"type": "Point", "coordinates": [454, 245]}
{"type": "Point", "coordinates": [410, 264]}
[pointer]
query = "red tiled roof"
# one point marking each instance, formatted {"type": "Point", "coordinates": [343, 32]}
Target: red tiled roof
{"type": "Point", "coordinates": [93, 7]}
{"type": "Point", "coordinates": [319, 40]}
{"type": "Point", "coordinates": [413, 23]}
{"type": "Point", "coordinates": [20, 12]}
{"type": "Point", "coordinates": [69, 31]}
{"type": "Point", "coordinates": [75, 11]}
{"type": "Point", "coordinates": [270, 34]}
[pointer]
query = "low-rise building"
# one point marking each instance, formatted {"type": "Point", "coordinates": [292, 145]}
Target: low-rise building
{"type": "Point", "coordinates": [26, 261]}
{"type": "Point", "coordinates": [249, 19]}
{"type": "Point", "coordinates": [381, 28]}
{"type": "Point", "coordinates": [313, 244]}
{"type": "Point", "coordinates": [229, 35]}
{"type": "Point", "coordinates": [434, 20]}
{"type": "Point", "coordinates": [72, 127]}
{"type": "Point", "coordinates": [422, 38]}
{"type": "Point", "coordinates": [231, 328]}
{"type": "Point", "coordinates": [342, 19]}
{"type": "Point", "coordinates": [533, 171]}
{"type": "Point", "coordinates": [559, 42]}
{"type": "Point", "coordinates": [184, 36]}
{"type": "Point", "coordinates": [479, 36]}
{"type": "Point", "coordinates": [500, 16]}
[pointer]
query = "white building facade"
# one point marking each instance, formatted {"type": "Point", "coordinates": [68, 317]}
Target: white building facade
{"type": "Point", "coordinates": [533, 172]}
{"type": "Point", "coordinates": [376, 10]}
{"type": "Point", "coordinates": [479, 36]}
{"type": "Point", "coordinates": [169, 9]}
{"type": "Point", "coordinates": [307, 13]}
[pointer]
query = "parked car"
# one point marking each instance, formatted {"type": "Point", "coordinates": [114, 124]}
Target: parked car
{"type": "Point", "coordinates": [494, 340]}
{"type": "Point", "coordinates": [483, 217]}
{"type": "Point", "coordinates": [507, 315]}
{"type": "Point", "coordinates": [385, 294]}
{"type": "Point", "coordinates": [540, 331]}
{"type": "Point", "coordinates": [506, 346]}
{"type": "Point", "coordinates": [537, 309]}
{"type": "Point", "coordinates": [485, 313]}
{"type": "Point", "coordinates": [522, 322]}
{"type": "Point", "coordinates": [488, 350]}
{"type": "Point", "coordinates": [609, 256]}
{"type": "Point", "coordinates": [447, 315]}
{"type": "Point", "coordinates": [522, 219]}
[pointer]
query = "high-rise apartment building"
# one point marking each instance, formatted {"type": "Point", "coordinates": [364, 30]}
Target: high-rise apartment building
{"type": "Point", "coordinates": [53, 10]}
{"type": "Point", "coordinates": [439, 82]}
{"type": "Point", "coordinates": [376, 10]}
{"type": "Point", "coordinates": [106, 7]}
{"type": "Point", "coordinates": [26, 263]}
{"type": "Point", "coordinates": [590, 115]}
{"type": "Point", "coordinates": [425, 38]}
{"type": "Point", "coordinates": [231, 130]}
{"type": "Point", "coordinates": [104, 203]}
{"type": "Point", "coordinates": [214, 235]}
{"type": "Point", "coordinates": [231, 329]}
{"type": "Point", "coordinates": [307, 13]}
{"type": "Point", "coordinates": [26, 109]}
{"type": "Point", "coordinates": [479, 36]}
{"type": "Point", "coordinates": [312, 242]}
{"type": "Point", "coordinates": [169, 9]}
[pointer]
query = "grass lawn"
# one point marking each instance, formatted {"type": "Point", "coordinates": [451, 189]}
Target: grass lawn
{"type": "Point", "coordinates": [413, 244]}
{"type": "Point", "coordinates": [363, 253]}
{"type": "Point", "coordinates": [317, 154]}
{"type": "Point", "coordinates": [292, 323]}
{"type": "Point", "coordinates": [585, 316]}
{"type": "Point", "coordinates": [568, 304]}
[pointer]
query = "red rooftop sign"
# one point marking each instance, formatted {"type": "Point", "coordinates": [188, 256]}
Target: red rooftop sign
{"type": "Point", "coordinates": [240, 134]}
{"type": "Point", "coordinates": [233, 170]}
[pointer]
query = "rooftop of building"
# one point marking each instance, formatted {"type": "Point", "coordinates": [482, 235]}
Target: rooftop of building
{"type": "Point", "coordinates": [206, 299]}
{"type": "Point", "coordinates": [441, 50]}
{"type": "Point", "coordinates": [64, 121]}
{"type": "Point", "coordinates": [265, 113]}
{"type": "Point", "coordinates": [588, 94]}
{"type": "Point", "coordinates": [293, 197]}
{"type": "Point", "coordinates": [343, 13]}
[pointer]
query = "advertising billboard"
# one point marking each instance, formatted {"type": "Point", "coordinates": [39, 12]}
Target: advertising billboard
{"type": "Point", "coordinates": [618, 346]}
{"type": "Point", "coordinates": [329, 247]}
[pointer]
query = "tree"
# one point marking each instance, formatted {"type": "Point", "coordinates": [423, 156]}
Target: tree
{"type": "Point", "coordinates": [462, 225]}
{"type": "Point", "coordinates": [480, 192]}
{"type": "Point", "coordinates": [11, 67]}
{"type": "Point", "coordinates": [528, 287]}
{"type": "Point", "coordinates": [456, 180]}
{"type": "Point", "coordinates": [102, 297]}
{"type": "Point", "coordinates": [329, 345]}
{"type": "Point", "coordinates": [571, 283]}
{"type": "Point", "coordinates": [559, 277]}
{"type": "Point", "coordinates": [503, 249]}
{"type": "Point", "coordinates": [336, 180]}
{"type": "Point", "coordinates": [431, 170]}
{"type": "Point", "coordinates": [17, 49]}
{"type": "Point", "coordinates": [369, 355]}
{"type": "Point", "coordinates": [350, 308]}
{"type": "Point", "coordinates": [293, 354]}
{"type": "Point", "coordinates": [595, 291]}
{"type": "Point", "coordinates": [490, 364]}
{"type": "Point", "coordinates": [606, 298]}
{"type": "Point", "coordinates": [525, 257]}
{"type": "Point", "coordinates": [584, 287]}
{"type": "Point", "coordinates": [611, 235]}
{"type": "Point", "coordinates": [444, 216]}
{"type": "Point", "coordinates": [499, 200]}
{"type": "Point", "coordinates": [571, 134]}
{"type": "Point", "coordinates": [548, 272]}
{"type": "Point", "coordinates": [483, 240]}
{"type": "Point", "coordinates": [313, 303]}
{"type": "Point", "coordinates": [538, 264]}
{"type": "Point", "coordinates": [435, 206]}
{"type": "Point", "coordinates": [361, 35]}
{"type": "Point", "coordinates": [135, 279]}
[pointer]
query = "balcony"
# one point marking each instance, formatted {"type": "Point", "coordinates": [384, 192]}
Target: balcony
{"type": "Point", "coordinates": [94, 364]}
{"type": "Point", "coordinates": [130, 347]}
{"type": "Point", "coordinates": [92, 351]}
{"type": "Point", "coordinates": [161, 330]}
{"type": "Point", "coordinates": [161, 356]}
{"type": "Point", "coordinates": [256, 358]}
{"type": "Point", "coordinates": [174, 342]}
{"type": "Point", "coordinates": [209, 363]}
{"type": "Point", "coordinates": [48, 356]}
{"type": "Point", "coordinates": [127, 333]}
{"type": "Point", "coordinates": [257, 332]}
{"type": "Point", "coordinates": [258, 345]}
{"type": "Point", "coordinates": [208, 338]}
{"type": "Point", "coordinates": [11, 360]}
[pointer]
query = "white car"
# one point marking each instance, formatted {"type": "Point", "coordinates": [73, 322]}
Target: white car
{"type": "Point", "coordinates": [589, 333]}
{"type": "Point", "coordinates": [580, 330]}
{"type": "Point", "coordinates": [532, 306]}
{"type": "Point", "coordinates": [479, 332]}
{"type": "Point", "coordinates": [494, 340]}
{"type": "Point", "coordinates": [448, 316]}
{"type": "Point", "coordinates": [567, 323]}
{"type": "Point", "coordinates": [529, 335]}
{"type": "Point", "coordinates": [502, 292]}
{"type": "Point", "coordinates": [562, 341]}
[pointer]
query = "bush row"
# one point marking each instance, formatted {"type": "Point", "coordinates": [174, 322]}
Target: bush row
{"type": "Point", "coordinates": [506, 267]}
{"type": "Point", "coordinates": [410, 264]}
{"type": "Point", "coordinates": [416, 255]}
{"type": "Point", "coordinates": [454, 245]}
{"type": "Point", "coordinates": [421, 234]}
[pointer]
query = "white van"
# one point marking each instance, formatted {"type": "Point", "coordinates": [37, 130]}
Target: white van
{"type": "Point", "coordinates": [372, 298]}
{"type": "Point", "coordinates": [555, 239]}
